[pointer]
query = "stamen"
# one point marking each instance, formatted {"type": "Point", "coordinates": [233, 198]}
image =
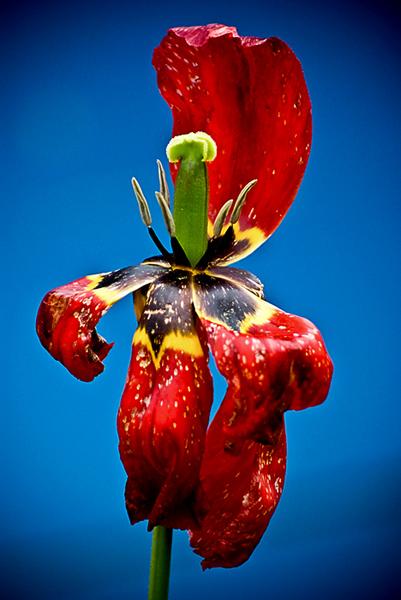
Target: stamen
{"type": "Point", "coordinates": [167, 216]}
{"type": "Point", "coordinates": [239, 203]}
{"type": "Point", "coordinates": [146, 218]}
{"type": "Point", "coordinates": [163, 183]}
{"type": "Point", "coordinates": [143, 205]}
{"type": "Point", "coordinates": [158, 243]}
{"type": "Point", "coordinates": [221, 218]}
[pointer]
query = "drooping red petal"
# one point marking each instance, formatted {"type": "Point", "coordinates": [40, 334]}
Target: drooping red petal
{"type": "Point", "coordinates": [273, 362]}
{"type": "Point", "coordinates": [165, 409]}
{"type": "Point", "coordinates": [243, 491]}
{"type": "Point", "coordinates": [250, 95]}
{"type": "Point", "coordinates": [68, 315]}
{"type": "Point", "coordinates": [279, 366]}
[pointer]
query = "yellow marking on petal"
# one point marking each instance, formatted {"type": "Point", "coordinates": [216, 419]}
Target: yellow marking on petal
{"type": "Point", "coordinates": [95, 280]}
{"type": "Point", "coordinates": [109, 295]}
{"type": "Point", "coordinates": [139, 303]}
{"type": "Point", "coordinates": [189, 344]}
{"type": "Point", "coordinates": [263, 313]}
{"type": "Point", "coordinates": [254, 235]}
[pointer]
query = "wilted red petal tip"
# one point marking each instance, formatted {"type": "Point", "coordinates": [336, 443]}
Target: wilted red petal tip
{"type": "Point", "coordinates": [66, 324]}
{"type": "Point", "coordinates": [199, 35]}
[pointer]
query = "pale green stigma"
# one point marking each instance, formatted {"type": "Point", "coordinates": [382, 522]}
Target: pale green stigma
{"type": "Point", "coordinates": [191, 194]}
{"type": "Point", "coordinates": [199, 143]}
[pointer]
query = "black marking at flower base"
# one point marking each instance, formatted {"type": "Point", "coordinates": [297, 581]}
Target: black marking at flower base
{"type": "Point", "coordinates": [130, 276]}
{"type": "Point", "coordinates": [169, 310]}
{"type": "Point", "coordinates": [222, 248]}
{"type": "Point", "coordinates": [223, 301]}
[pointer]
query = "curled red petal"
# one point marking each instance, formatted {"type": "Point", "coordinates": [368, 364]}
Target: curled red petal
{"type": "Point", "coordinates": [68, 315]}
{"type": "Point", "coordinates": [243, 490]}
{"type": "Point", "coordinates": [273, 362]}
{"type": "Point", "coordinates": [250, 95]}
{"type": "Point", "coordinates": [164, 411]}
{"type": "Point", "coordinates": [301, 346]}
{"type": "Point", "coordinates": [271, 368]}
{"type": "Point", "coordinates": [66, 327]}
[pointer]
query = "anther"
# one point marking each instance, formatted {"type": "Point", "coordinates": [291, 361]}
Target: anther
{"type": "Point", "coordinates": [163, 183]}
{"type": "Point", "coordinates": [143, 205]}
{"type": "Point", "coordinates": [239, 203]}
{"type": "Point", "coordinates": [221, 218]}
{"type": "Point", "coordinates": [146, 218]}
{"type": "Point", "coordinates": [166, 212]}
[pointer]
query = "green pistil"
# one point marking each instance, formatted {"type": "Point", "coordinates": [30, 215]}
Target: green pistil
{"type": "Point", "coordinates": [191, 195]}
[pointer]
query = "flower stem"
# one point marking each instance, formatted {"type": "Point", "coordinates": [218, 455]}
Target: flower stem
{"type": "Point", "coordinates": [160, 563]}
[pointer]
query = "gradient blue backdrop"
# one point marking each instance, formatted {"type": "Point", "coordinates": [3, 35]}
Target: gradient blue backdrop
{"type": "Point", "coordinates": [82, 115]}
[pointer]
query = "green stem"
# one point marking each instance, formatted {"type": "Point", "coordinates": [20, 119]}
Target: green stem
{"type": "Point", "coordinates": [160, 563]}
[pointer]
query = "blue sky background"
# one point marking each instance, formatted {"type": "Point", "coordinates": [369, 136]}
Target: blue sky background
{"type": "Point", "coordinates": [81, 114]}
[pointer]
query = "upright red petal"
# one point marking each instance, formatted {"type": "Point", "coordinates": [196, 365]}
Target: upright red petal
{"type": "Point", "coordinates": [250, 95]}
{"type": "Point", "coordinates": [165, 409]}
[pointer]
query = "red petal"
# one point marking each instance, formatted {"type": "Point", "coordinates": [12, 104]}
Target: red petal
{"type": "Point", "coordinates": [244, 491]}
{"type": "Point", "coordinates": [272, 362]}
{"type": "Point", "coordinates": [164, 412]}
{"type": "Point", "coordinates": [250, 95]}
{"type": "Point", "coordinates": [66, 327]}
{"type": "Point", "coordinates": [270, 368]}
{"type": "Point", "coordinates": [68, 316]}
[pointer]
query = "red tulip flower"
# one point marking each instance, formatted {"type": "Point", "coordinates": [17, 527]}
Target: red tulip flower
{"type": "Point", "coordinates": [221, 481]}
